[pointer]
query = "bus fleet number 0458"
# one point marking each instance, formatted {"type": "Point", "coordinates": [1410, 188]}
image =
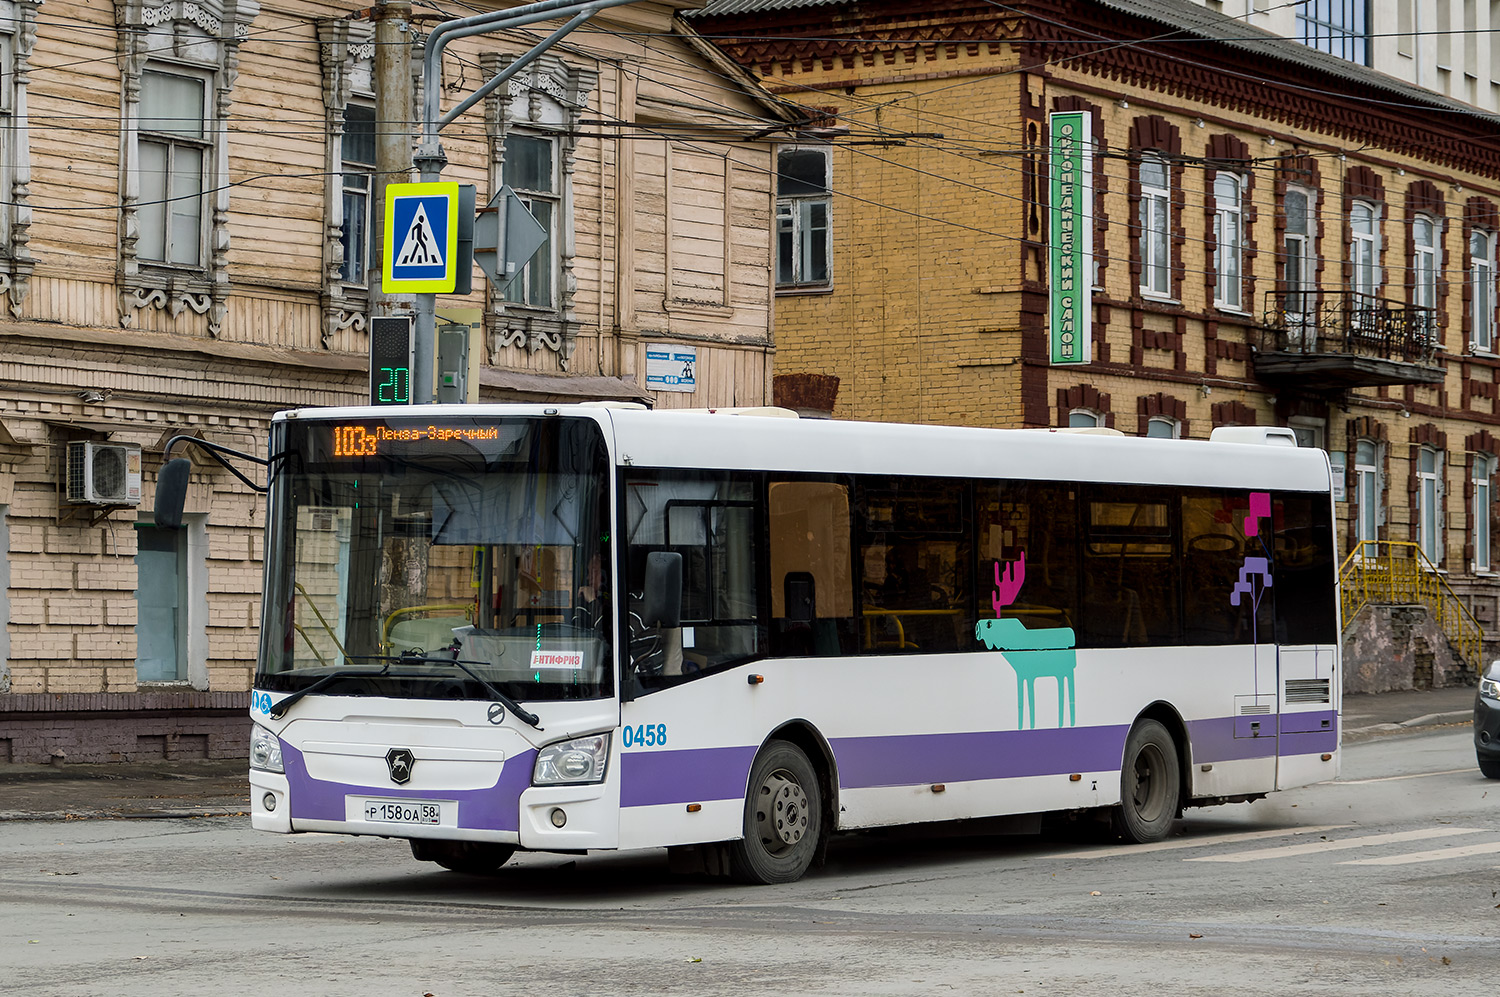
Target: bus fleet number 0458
{"type": "Point", "coordinates": [644, 736]}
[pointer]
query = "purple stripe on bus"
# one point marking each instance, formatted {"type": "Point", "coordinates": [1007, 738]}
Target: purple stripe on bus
{"type": "Point", "coordinates": [867, 762]}
{"type": "Point", "coordinates": [495, 808]}
{"type": "Point", "coordinates": [649, 778]}
{"type": "Point", "coordinates": [1214, 740]}
{"type": "Point", "coordinates": [1313, 742]}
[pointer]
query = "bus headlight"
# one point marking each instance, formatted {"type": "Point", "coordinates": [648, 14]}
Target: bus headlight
{"type": "Point", "coordinates": [265, 750]}
{"type": "Point", "coordinates": [581, 760]}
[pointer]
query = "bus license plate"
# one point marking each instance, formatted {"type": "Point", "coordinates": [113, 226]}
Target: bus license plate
{"type": "Point", "coordinates": [402, 812]}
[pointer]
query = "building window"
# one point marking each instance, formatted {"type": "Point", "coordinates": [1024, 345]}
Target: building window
{"type": "Point", "coordinates": [1229, 251]}
{"type": "Point", "coordinates": [1481, 291]}
{"type": "Point", "coordinates": [531, 171]}
{"type": "Point", "coordinates": [1429, 496]}
{"type": "Point", "coordinates": [1364, 248]}
{"type": "Point", "coordinates": [1367, 496]}
{"type": "Point", "coordinates": [1424, 270]}
{"type": "Point", "coordinates": [1163, 427]}
{"type": "Point", "coordinates": [1082, 418]}
{"type": "Point", "coordinates": [1338, 27]}
{"type": "Point", "coordinates": [358, 177]}
{"type": "Point", "coordinates": [1155, 223]}
{"type": "Point", "coordinates": [161, 604]}
{"type": "Point", "coordinates": [1307, 430]}
{"type": "Point", "coordinates": [172, 149]}
{"type": "Point", "coordinates": [1484, 496]}
{"type": "Point", "coordinates": [1300, 266]}
{"type": "Point", "coordinates": [803, 236]}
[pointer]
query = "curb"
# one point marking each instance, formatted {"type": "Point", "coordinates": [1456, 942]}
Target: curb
{"type": "Point", "coordinates": [1457, 718]}
{"type": "Point", "coordinates": [20, 816]}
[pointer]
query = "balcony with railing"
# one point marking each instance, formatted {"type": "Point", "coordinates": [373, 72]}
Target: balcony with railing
{"type": "Point", "coordinates": [1335, 340]}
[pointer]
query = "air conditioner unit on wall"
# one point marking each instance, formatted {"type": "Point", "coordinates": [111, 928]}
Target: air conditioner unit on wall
{"type": "Point", "coordinates": [104, 473]}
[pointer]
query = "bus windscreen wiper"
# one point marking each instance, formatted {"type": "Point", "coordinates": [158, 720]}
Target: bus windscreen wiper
{"type": "Point", "coordinates": [384, 671]}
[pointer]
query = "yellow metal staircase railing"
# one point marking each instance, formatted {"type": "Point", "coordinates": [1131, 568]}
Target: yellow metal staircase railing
{"type": "Point", "coordinates": [1396, 572]}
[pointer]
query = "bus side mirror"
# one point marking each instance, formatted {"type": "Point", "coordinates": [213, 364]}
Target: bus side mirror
{"type": "Point", "coordinates": [661, 600]}
{"type": "Point", "coordinates": [171, 491]}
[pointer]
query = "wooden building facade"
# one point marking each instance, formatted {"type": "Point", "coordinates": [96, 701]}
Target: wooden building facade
{"type": "Point", "coordinates": [188, 244]}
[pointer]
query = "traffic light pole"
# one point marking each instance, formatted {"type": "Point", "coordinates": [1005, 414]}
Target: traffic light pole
{"type": "Point", "coordinates": [429, 158]}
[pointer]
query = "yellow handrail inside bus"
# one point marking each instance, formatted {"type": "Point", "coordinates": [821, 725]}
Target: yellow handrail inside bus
{"type": "Point", "coordinates": [467, 608]}
{"type": "Point", "coordinates": [326, 627]}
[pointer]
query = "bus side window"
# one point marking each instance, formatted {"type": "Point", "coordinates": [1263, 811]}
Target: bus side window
{"type": "Point", "coordinates": [1130, 572]}
{"type": "Point", "coordinates": [915, 560]}
{"type": "Point", "coordinates": [709, 519]}
{"type": "Point", "coordinates": [812, 588]}
{"type": "Point", "coordinates": [1304, 569]}
{"type": "Point", "coordinates": [1035, 523]}
{"type": "Point", "coordinates": [1214, 548]}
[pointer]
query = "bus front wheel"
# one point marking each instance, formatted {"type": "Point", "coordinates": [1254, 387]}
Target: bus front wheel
{"type": "Point", "coordinates": [476, 858]}
{"type": "Point", "coordinates": [1150, 784]}
{"type": "Point", "coordinates": [783, 818]}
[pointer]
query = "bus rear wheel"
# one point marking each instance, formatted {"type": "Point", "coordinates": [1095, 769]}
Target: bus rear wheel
{"type": "Point", "coordinates": [1150, 784]}
{"type": "Point", "coordinates": [476, 858]}
{"type": "Point", "coordinates": [783, 818]}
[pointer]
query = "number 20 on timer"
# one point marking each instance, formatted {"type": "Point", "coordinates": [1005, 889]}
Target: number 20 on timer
{"type": "Point", "coordinates": [396, 388]}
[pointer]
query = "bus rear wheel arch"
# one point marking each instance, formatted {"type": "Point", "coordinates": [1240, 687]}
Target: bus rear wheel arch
{"type": "Point", "coordinates": [785, 822]}
{"type": "Point", "coordinates": [1150, 784]}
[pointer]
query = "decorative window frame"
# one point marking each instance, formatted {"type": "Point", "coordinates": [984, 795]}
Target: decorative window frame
{"type": "Point", "coordinates": [17, 39]}
{"type": "Point", "coordinates": [346, 51]}
{"type": "Point", "coordinates": [548, 97]}
{"type": "Point", "coordinates": [202, 36]}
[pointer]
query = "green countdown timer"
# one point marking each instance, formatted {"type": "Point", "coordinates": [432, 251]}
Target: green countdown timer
{"type": "Point", "coordinates": [390, 360]}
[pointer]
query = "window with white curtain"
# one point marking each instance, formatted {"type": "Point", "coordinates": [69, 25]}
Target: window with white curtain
{"type": "Point", "coordinates": [173, 149]}
{"type": "Point", "coordinates": [1155, 226]}
{"type": "Point", "coordinates": [1364, 247]}
{"type": "Point", "coordinates": [1367, 496]}
{"type": "Point", "coordinates": [1484, 497]}
{"type": "Point", "coordinates": [1429, 502]}
{"type": "Point", "coordinates": [1229, 250]}
{"type": "Point", "coordinates": [1482, 291]}
{"type": "Point", "coordinates": [1425, 232]}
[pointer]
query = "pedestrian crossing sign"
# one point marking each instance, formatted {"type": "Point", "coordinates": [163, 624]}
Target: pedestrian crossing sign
{"type": "Point", "coordinates": [421, 238]}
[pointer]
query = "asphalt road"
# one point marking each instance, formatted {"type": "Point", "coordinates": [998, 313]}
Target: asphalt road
{"type": "Point", "coordinates": [1382, 883]}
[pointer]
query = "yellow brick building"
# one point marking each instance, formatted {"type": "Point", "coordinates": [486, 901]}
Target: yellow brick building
{"type": "Point", "coordinates": [1281, 238]}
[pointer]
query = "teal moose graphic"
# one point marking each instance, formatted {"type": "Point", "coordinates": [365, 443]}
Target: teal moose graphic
{"type": "Point", "coordinates": [1033, 654]}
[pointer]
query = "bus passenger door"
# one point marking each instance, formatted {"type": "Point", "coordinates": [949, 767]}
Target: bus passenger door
{"type": "Point", "coordinates": [1307, 638]}
{"type": "Point", "coordinates": [1227, 595]}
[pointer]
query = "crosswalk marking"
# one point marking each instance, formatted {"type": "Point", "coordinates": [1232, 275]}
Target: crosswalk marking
{"type": "Point", "coordinates": [1176, 843]}
{"type": "Point", "coordinates": [1287, 851]}
{"type": "Point", "coordinates": [1435, 855]}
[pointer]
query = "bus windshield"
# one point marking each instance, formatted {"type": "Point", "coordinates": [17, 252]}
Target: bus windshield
{"type": "Point", "coordinates": [442, 558]}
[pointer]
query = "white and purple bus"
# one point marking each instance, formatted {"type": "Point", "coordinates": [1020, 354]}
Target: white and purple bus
{"type": "Point", "coordinates": [489, 628]}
